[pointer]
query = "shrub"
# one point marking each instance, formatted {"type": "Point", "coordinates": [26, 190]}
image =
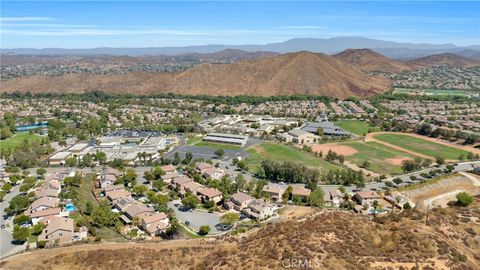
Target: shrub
{"type": "Point", "coordinates": [204, 230]}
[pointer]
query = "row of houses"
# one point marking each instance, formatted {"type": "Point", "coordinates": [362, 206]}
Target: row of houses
{"type": "Point", "coordinates": [46, 209]}
{"type": "Point", "coordinates": [150, 221]}
{"type": "Point", "coordinates": [251, 207]}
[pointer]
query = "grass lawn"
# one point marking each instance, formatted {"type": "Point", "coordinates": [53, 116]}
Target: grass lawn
{"type": "Point", "coordinates": [32, 239]}
{"type": "Point", "coordinates": [355, 126]}
{"type": "Point", "coordinates": [376, 154]}
{"type": "Point", "coordinates": [194, 139]}
{"type": "Point", "coordinates": [421, 146]}
{"type": "Point", "coordinates": [217, 145]}
{"type": "Point", "coordinates": [17, 139]}
{"type": "Point", "coordinates": [281, 152]}
{"type": "Point", "coordinates": [187, 231]}
{"type": "Point", "coordinates": [109, 234]}
{"type": "Point", "coordinates": [85, 195]}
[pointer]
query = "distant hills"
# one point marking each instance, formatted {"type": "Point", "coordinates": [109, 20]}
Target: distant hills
{"type": "Point", "coordinates": [368, 60]}
{"type": "Point", "coordinates": [445, 59]}
{"type": "Point", "coordinates": [390, 49]}
{"type": "Point", "coordinates": [286, 74]}
{"type": "Point", "coordinates": [235, 72]}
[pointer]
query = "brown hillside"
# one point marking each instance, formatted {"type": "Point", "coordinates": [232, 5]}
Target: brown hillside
{"type": "Point", "coordinates": [330, 240]}
{"type": "Point", "coordinates": [368, 60]}
{"type": "Point", "coordinates": [444, 59]}
{"type": "Point", "coordinates": [287, 74]}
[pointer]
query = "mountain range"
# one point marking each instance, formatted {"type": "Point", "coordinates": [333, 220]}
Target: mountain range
{"type": "Point", "coordinates": [390, 49]}
{"type": "Point", "coordinates": [285, 74]}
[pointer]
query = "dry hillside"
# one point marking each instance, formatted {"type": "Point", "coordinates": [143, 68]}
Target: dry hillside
{"type": "Point", "coordinates": [329, 240]}
{"type": "Point", "coordinates": [287, 74]}
{"type": "Point", "coordinates": [368, 60]}
{"type": "Point", "coordinates": [444, 59]}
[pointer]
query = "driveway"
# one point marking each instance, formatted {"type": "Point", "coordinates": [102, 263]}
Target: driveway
{"type": "Point", "coordinates": [196, 218]}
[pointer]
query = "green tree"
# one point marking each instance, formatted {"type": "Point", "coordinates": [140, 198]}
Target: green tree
{"type": "Point", "coordinates": [5, 133]}
{"type": "Point", "coordinates": [316, 198]}
{"type": "Point", "coordinates": [37, 228]}
{"type": "Point", "coordinates": [139, 190]}
{"type": "Point", "coordinates": [204, 230]}
{"type": "Point", "coordinates": [20, 234]}
{"type": "Point", "coordinates": [397, 181]}
{"type": "Point", "coordinates": [229, 218]}
{"type": "Point", "coordinates": [88, 208]}
{"type": "Point", "coordinates": [103, 216]}
{"type": "Point", "coordinates": [320, 131]}
{"type": "Point", "coordinates": [41, 171]}
{"type": "Point", "coordinates": [440, 160]}
{"type": "Point", "coordinates": [219, 153]}
{"type": "Point", "coordinates": [20, 219]}
{"type": "Point", "coordinates": [71, 162]}
{"type": "Point", "coordinates": [7, 187]}
{"type": "Point", "coordinates": [18, 203]}
{"type": "Point", "coordinates": [407, 206]}
{"type": "Point", "coordinates": [190, 201]}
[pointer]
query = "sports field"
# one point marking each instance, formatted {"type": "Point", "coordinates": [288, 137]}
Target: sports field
{"type": "Point", "coordinates": [383, 159]}
{"type": "Point", "coordinates": [355, 126]}
{"type": "Point", "coordinates": [421, 146]}
{"type": "Point", "coordinates": [16, 140]}
{"type": "Point", "coordinates": [280, 152]}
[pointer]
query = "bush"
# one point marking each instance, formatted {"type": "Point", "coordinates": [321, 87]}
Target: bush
{"type": "Point", "coordinates": [464, 199]}
{"type": "Point", "coordinates": [41, 244]}
{"type": "Point", "coordinates": [204, 230]}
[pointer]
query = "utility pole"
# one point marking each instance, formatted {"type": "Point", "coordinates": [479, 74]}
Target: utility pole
{"type": "Point", "coordinates": [426, 218]}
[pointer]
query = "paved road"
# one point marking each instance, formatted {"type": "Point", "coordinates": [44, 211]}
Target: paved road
{"type": "Point", "coordinates": [460, 167]}
{"type": "Point", "coordinates": [6, 245]}
{"type": "Point", "coordinates": [196, 218]}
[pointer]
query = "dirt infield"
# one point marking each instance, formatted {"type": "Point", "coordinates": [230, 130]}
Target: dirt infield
{"type": "Point", "coordinates": [337, 148]}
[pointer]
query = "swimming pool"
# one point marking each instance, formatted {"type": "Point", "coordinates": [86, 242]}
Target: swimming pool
{"type": "Point", "coordinates": [70, 207]}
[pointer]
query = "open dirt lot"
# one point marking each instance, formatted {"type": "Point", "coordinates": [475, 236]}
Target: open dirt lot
{"type": "Point", "coordinates": [330, 240]}
{"type": "Point", "coordinates": [439, 193]}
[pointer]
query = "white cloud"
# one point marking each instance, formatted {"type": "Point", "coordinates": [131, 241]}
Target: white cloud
{"type": "Point", "coordinates": [303, 27]}
{"type": "Point", "coordinates": [24, 19]}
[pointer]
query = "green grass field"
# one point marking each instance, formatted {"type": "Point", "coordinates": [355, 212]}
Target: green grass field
{"type": "Point", "coordinates": [280, 152]}
{"type": "Point", "coordinates": [217, 145]}
{"type": "Point", "coordinates": [432, 92]}
{"type": "Point", "coordinates": [421, 146]}
{"type": "Point", "coordinates": [194, 140]}
{"type": "Point", "coordinates": [85, 195]}
{"type": "Point", "coordinates": [376, 154]}
{"type": "Point", "coordinates": [17, 139]}
{"type": "Point", "coordinates": [355, 126]}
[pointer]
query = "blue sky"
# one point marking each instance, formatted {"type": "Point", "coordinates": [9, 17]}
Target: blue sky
{"type": "Point", "coordinates": [69, 24]}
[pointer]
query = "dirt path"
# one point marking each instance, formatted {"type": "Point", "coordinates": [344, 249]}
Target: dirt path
{"type": "Point", "coordinates": [370, 137]}
{"type": "Point", "coordinates": [357, 168]}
